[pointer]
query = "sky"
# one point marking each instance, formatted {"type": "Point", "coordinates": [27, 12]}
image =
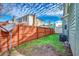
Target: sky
{"type": "Point", "coordinates": [5, 18]}
{"type": "Point", "coordinates": [45, 11]}
{"type": "Point", "coordinates": [50, 19]}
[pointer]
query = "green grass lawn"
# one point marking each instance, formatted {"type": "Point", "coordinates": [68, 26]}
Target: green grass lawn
{"type": "Point", "coordinates": [50, 39]}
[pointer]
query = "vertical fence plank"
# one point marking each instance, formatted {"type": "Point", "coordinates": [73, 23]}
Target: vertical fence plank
{"type": "Point", "coordinates": [37, 32]}
{"type": "Point", "coordinates": [50, 31]}
{"type": "Point", "coordinates": [8, 38]}
{"type": "Point", "coordinates": [18, 34]}
{"type": "Point", "coordinates": [0, 40]}
{"type": "Point", "coordinates": [0, 43]}
{"type": "Point", "coordinates": [44, 31]}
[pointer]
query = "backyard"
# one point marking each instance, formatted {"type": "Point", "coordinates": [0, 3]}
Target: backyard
{"type": "Point", "coordinates": [45, 46]}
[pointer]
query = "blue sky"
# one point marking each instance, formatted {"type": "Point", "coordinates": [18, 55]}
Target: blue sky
{"type": "Point", "coordinates": [5, 18]}
{"type": "Point", "coordinates": [50, 19]}
{"type": "Point", "coordinates": [44, 11]}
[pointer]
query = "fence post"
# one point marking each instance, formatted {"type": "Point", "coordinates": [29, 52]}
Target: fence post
{"type": "Point", "coordinates": [10, 45]}
{"type": "Point", "coordinates": [0, 43]}
{"type": "Point", "coordinates": [0, 40]}
{"type": "Point", "coordinates": [18, 34]}
{"type": "Point", "coordinates": [45, 31]}
{"type": "Point", "coordinates": [8, 38]}
{"type": "Point", "coordinates": [7, 44]}
{"type": "Point", "coordinates": [50, 30]}
{"type": "Point", "coordinates": [37, 32]}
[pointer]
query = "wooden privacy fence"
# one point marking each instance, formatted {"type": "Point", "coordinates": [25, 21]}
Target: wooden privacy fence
{"type": "Point", "coordinates": [22, 33]}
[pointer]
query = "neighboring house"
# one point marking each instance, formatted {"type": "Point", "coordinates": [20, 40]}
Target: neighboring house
{"type": "Point", "coordinates": [30, 20]}
{"type": "Point", "coordinates": [38, 22]}
{"type": "Point", "coordinates": [58, 27]}
{"type": "Point", "coordinates": [71, 26]}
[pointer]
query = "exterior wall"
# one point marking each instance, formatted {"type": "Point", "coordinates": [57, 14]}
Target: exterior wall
{"type": "Point", "coordinates": [65, 21]}
{"type": "Point", "coordinates": [23, 20]}
{"type": "Point", "coordinates": [30, 20]}
{"type": "Point", "coordinates": [58, 27]}
{"type": "Point", "coordinates": [72, 28]}
{"type": "Point", "coordinates": [77, 27]}
{"type": "Point", "coordinates": [73, 24]}
{"type": "Point", "coordinates": [38, 22]}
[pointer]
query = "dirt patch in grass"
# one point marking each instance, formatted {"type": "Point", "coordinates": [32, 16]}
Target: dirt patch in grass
{"type": "Point", "coordinates": [44, 50]}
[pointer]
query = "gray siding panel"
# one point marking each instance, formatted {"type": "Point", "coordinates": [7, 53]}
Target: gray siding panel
{"type": "Point", "coordinates": [77, 32]}
{"type": "Point", "coordinates": [72, 28]}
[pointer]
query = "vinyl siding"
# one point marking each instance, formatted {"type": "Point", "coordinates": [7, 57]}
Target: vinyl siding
{"type": "Point", "coordinates": [73, 28]}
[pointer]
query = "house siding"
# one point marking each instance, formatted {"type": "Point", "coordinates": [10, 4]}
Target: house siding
{"type": "Point", "coordinates": [73, 28]}
{"type": "Point", "coordinates": [77, 32]}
